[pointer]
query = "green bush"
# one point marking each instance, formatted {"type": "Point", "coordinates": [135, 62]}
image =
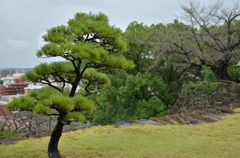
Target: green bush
{"type": "Point", "coordinates": [208, 75]}
{"type": "Point", "coordinates": [208, 84]}
{"type": "Point", "coordinates": [10, 135]}
{"type": "Point", "coordinates": [130, 97]}
{"type": "Point", "coordinates": [201, 87]}
{"type": "Point", "coordinates": [234, 72]}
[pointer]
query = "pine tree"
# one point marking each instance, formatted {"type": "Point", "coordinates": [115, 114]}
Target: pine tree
{"type": "Point", "coordinates": [87, 43]}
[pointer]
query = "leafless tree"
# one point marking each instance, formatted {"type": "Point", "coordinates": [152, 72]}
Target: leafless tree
{"type": "Point", "coordinates": [10, 122]}
{"type": "Point", "coordinates": [26, 122]}
{"type": "Point", "coordinates": [216, 32]}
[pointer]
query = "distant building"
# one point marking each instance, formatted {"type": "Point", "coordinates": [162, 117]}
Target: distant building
{"type": "Point", "coordinates": [32, 87]}
{"type": "Point", "coordinates": [7, 72]}
{"type": "Point", "coordinates": [13, 88]}
{"type": "Point", "coordinates": [10, 71]}
{"type": "Point", "coordinates": [5, 99]}
{"type": "Point", "coordinates": [10, 78]}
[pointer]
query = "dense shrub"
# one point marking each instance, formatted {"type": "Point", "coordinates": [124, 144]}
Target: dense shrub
{"type": "Point", "coordinates": [208, 84]}
{"type": "Point", "coordinates": [132, 97]}
{"type": "Point", "coordinates": [234, 72]}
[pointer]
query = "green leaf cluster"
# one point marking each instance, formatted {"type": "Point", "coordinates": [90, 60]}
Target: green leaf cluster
{"type": "Point", "coordinates": [208, 84]}
{"type": "Point", "coordinates": [196, 89]}
{"type": "Point", "coordinates": [83, 104]}
{"type": "Point", "coordinates": [10, 134]}
{"type": "Point", "coordinates": [208, 75]}
{"type": "Point", "coordinates": [49, 101]}
{"type": "Point", "coordinates": [76, 116]}
{"type": "Point", "coordinates": [55, 70]}
{"type": "Point", "coordinates": [88, 38]}
{"type": "Point", "coordinates": [92, 75]}
{"type": "Point", "coordinates": [131, 97]}
{"type": "Point", "coordinates": [234, 72]}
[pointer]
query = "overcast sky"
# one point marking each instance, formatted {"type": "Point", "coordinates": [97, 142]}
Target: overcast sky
{"type": "Point", "coordinates": [23, 22]}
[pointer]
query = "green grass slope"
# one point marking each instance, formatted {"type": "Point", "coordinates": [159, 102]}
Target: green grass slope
{"type": "Point", "coordinates": [211, 140]}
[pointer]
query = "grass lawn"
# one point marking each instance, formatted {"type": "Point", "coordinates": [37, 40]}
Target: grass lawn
{"type": "Point", "coordinates": [211, 140]}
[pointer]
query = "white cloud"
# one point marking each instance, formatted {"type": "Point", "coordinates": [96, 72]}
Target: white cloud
{"type": "Point", "coordinates": [40, 41]}
{"type": "Point", "coordinates": [16, 44]}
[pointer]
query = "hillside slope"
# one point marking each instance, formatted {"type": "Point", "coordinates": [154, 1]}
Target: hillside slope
{"type": "Point", "coordinates": [208, 140]}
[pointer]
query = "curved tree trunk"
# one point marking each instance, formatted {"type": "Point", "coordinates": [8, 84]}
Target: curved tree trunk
{"type": "Point", "coordinates": [221, 71]}
{"type": "Point", "coordinates": [55, 137]}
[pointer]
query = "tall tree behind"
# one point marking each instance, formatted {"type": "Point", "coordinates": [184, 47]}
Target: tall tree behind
{"type": "Point", "coordinates": [88, 42]}
{"type": "Point", "coordinates": [216, 30]}
{"type": "Point", "coordinates": [138, 52]}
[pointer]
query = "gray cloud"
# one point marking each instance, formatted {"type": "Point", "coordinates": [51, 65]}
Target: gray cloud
{"type": "Point", "coordinates": [23, 22]}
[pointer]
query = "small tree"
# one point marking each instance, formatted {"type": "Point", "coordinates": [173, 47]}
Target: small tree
{"type": "Point", "coordinates": [87, 43]}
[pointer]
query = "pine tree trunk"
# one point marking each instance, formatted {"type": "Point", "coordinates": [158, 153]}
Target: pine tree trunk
{"type": "Point", "coordinates": [55, 137]}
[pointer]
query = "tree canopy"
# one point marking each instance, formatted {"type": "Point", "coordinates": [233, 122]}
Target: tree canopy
{"type": "Point", "coordinates": [216, 33]}
{"type": "Point", "coordinates": [86, 43]}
